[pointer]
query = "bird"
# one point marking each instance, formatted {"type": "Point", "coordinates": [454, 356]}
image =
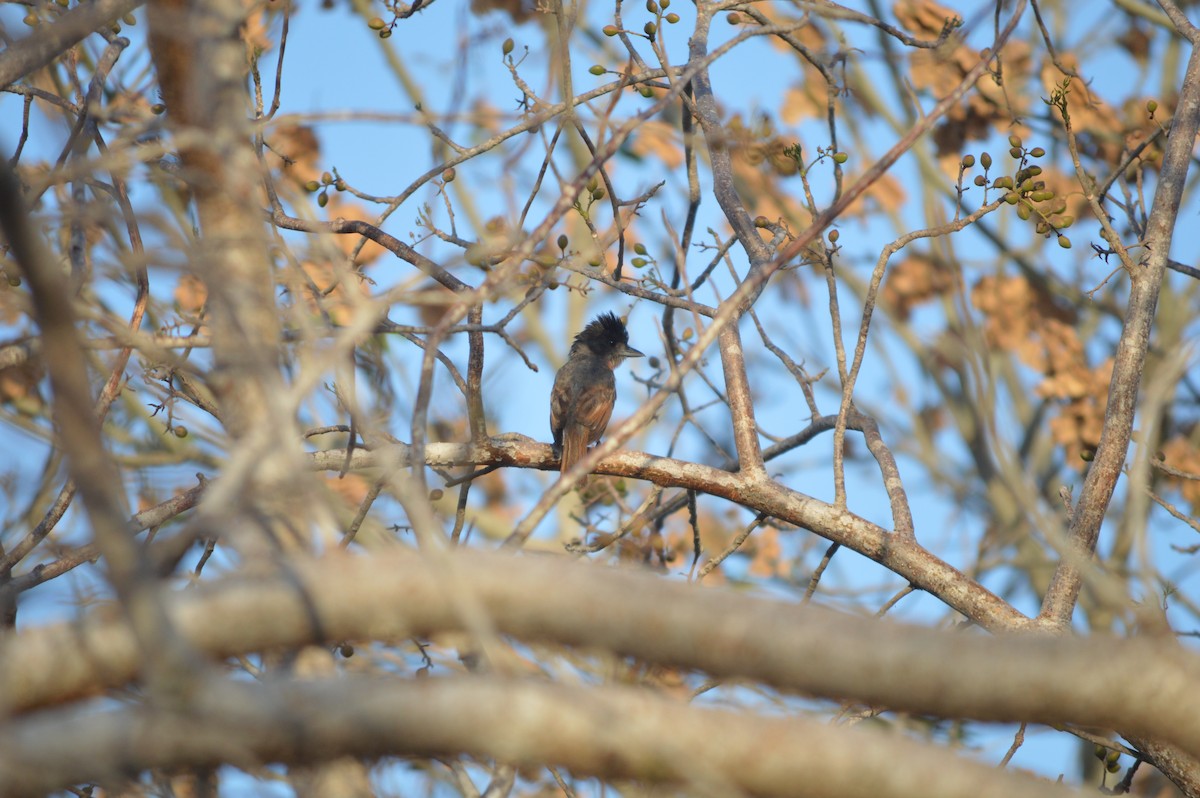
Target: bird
{"type": "Point", "coordinates": [585, 390]}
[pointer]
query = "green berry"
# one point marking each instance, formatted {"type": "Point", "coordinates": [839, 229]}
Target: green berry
{"type": "Point", "coordinates": [507, 47]}
{"type": "Point", "coordinates": [968, 161]}
{"type": "Point", "coordinates": [563, 241]}
{"type": "Point", "coordinates": [840, 157]}
{"type": "Point", "coordinates": [1064, 242]}
{"type": "Point", "coordinates": [375, 23]}
{"type": "Point", "coordinates": [611, 30]}
{"type": "Point", "coordinates": [639, 248]}
{"type": "Point", "coordinates": [596, 69]}
{"type": "Point", "coordinates": [1037, 152]}
{"type": "Point", "coordinates": [650, 29]}
{"type": "Point", "coordinates": [638, 262]}
{"type": "Point", "coordinates": [986, 160]}
{"type": "Point", "coordinates": [672, 17]}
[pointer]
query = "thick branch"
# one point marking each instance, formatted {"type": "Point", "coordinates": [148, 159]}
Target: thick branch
{"type": "Point", "coordinates": [1143, 686]}
{"type": "Point", "coordinates": [45, 44]}
{"type": "Point", "coordinates": [607, 732]}
{"type": "Point", "coordinates": [1130, 359]}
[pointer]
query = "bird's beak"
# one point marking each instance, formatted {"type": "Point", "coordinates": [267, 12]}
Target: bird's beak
{"type": "Point", "coordinates": [629, 351]}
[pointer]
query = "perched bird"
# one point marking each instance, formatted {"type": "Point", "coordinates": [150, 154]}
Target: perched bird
{"type": "Point", "coordinates": [584, 388]}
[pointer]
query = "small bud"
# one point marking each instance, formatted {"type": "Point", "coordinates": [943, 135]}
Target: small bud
{"type": "Point", "coordinates": [986, 160]}
{"type": "Point", "coordinates": [1087, 456]}
{"type": "Point", "coordinates": [1012, 197]}
{"type": "Point", "coordinates": [652, 6]}
{"type": "Point", "coordinates": [980, 180]}
{"type": "Point", "coordinates": [563, 241]}
{"type": "Point", "coordinates": [129, 19]}
{"type": "Point", "coordinates": [375, 23]}
{"type": "Point", "coordinates": [1015, 152]}
{"type": "Point", "coordinates": [1151, 106]}
{"type": "Point", "coordinates": [1024, 212]}
{"type": "Point", "coordinates": [339, 184]}
{"type": "Point", "coordinates": [646, 92]}
{"type": "Point", "coordinates": [650, 29]}
{"type": "Point", "coordinates": [311, 186]}
{"type": "Point", "coordinates": [761, 222]}
{"type": "Point", "coordinates": [1003, 182]}
{"type": "Point", "coordinates": [664, 4]}
{"type": "Point", "coordinates": [672, 17]}
{"type": "Point", "coordinates": [638, 262]}
{"type": "Point", "coordinates": [611, 30]}
{"type": "Point", "coordinates": [1065, 222]}
{"type": "Point", "coordinates": [1064, 242]}
{"type": "Point", "coordinates": [734, 18]}
{"type": "Point", "coordinates": [1014, 141]}
{"type": "Point", "coordinates": [448, 175]}
{"type": "Point", "coordinates": [180, 431]}
{"type": "Point", "coordinates": [596, 69]}
{"type": "Point", "coordinates": [968, 161]}
{"type": "Point", "coordinates": [1037, 152]}
{"type": "Point", "coordinates": [834, 235]}
{"type": "Point", "coordinates": [507, 47]}
{"type": "Point", "coordinates": [639, 248]}
{"type": "Point", "coordinates": [322, 199]}
{"type": "Point", "coordinates": [688, 333]}
{"type": "Point", "coordinates": [326, 178]}
{"type": "Point", "coordinates": [840, 157]}
{"type": "Point", "coordinates": [385, 34]}
{"type": "Point", "coordinates": [598, 193]}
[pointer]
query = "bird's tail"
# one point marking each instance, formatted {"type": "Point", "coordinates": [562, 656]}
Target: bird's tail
{"type": "Point", "coordinates": [574, 447]}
